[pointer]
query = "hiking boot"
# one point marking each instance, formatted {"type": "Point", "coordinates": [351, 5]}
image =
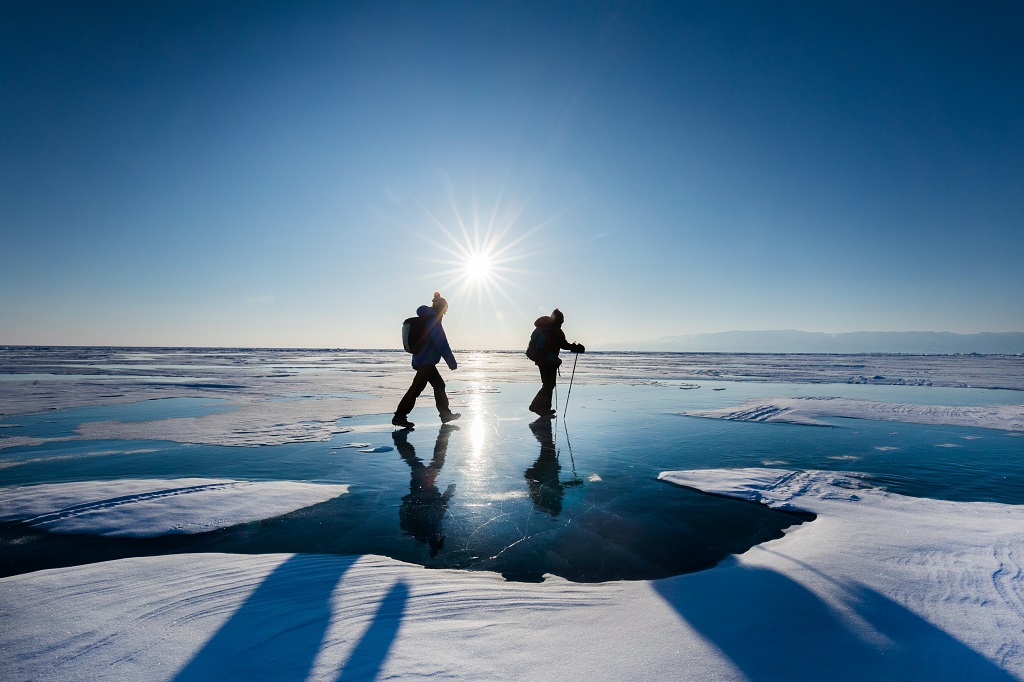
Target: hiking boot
{"type": "Point", "coordinates": [402, 421]}
{"type": "Point", "coordinates": [450, 417]}
{"type": "Point", "coordinates": [542, 412]}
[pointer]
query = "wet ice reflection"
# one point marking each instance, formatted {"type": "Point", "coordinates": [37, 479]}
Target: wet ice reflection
{"type": "Point", "coordinates": [477, 429]}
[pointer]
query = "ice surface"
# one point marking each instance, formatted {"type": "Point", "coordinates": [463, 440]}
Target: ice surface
{"type": "Point", "coordinates": [809, 410]}
{"type": "Point", "coordinates": [262, 385]}
{"type": "Point", "coordinates": [147, 508]}
{"type": "Point", "coordinates": [880, 586]}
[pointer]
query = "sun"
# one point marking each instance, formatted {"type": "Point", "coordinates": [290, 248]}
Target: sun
{"type": "Point", "coordinates": [478, 266]}
{"type": "Point", "coordinates": [481, 251]}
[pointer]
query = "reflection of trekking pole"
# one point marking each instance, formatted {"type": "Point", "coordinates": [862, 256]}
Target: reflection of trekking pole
{"type": "Point", "coordinates": [576, 480]}
{"type": "Point", "coordinates": [573, 376]}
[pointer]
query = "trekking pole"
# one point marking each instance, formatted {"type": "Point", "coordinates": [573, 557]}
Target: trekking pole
{"type": "Point", "coordinates": [573, 376]}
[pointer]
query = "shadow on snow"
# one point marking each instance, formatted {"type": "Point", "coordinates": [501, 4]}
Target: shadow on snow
{"type": "Point", "coordinates": [279, 630]}
{"type": "Point", "coordinates": [740, 610]}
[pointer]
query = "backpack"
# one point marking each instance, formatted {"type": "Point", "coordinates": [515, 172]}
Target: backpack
{"type": "Point", "coordinates": [538, 342]}
{"type": "Point", "coordinates": [412, 334]}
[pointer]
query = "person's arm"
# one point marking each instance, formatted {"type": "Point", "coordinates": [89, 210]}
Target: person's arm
{"type": "Point", "coordinates": [565, 345]}
{"type": "Point", "coordinates": [441, 343]}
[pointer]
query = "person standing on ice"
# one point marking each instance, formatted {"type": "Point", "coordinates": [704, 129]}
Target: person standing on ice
{"type": "Point", "coordinates": [430, 345]}
{"type": "Point", "coordinates": [545, 342]}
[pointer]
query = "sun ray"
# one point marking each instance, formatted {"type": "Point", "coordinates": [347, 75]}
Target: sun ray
{"type": "Point", "coordinates": [481, 253]}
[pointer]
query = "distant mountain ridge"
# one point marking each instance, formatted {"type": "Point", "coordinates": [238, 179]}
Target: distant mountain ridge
{"type": "Point", "coordinates": [794, 341]}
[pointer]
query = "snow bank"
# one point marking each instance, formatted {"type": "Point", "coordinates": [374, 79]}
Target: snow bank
{"type": "Point", "coordinates": [880, 586]}
{"type": "Point", "coordinates": [898, 573]}
{"type": "Point", "coordinates": [809, 410]}
{"type": "Point", "coordinates": [281, 617]}
{"type": "Point", "coordinates": [146, 508]}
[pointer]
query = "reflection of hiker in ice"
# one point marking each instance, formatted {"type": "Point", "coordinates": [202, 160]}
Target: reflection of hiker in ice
{"type": "Point", "coordinates": [425, 506]}
{"type": "Point", "coordinates": [428, 345]}
{"type": "Point", "coordinates": [546, 490]}
{"type": "Point", "coordinates": [545, 342]}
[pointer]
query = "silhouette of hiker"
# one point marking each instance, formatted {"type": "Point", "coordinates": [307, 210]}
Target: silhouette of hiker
{"type": "Point", "coordinates": [432, 347]}
{"type": "Point", "coordinates": [425, 506]}
{"type": "Point", "coordinates": [545, 342]}
{"type": "Point", "coordinates": [546, 490]}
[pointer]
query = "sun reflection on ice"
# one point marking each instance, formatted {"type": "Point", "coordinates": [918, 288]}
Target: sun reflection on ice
{"type": "Point", "coordinates": [477, 428]}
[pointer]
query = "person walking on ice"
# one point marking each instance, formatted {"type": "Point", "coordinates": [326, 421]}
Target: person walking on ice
{"type": "Point", "coordinates": [424, 337]}
{"type": "Point", "coordinates": [545, 342]}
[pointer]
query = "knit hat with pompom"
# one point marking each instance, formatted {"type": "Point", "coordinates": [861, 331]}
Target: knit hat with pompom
{"type": "Point", "coordinates": [439, 304]}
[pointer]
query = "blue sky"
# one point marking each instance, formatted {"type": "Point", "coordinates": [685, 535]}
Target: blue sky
{"type": "Point", "coordinates": [295, 174]}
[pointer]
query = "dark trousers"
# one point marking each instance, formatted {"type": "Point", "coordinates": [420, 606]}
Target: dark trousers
{"type": "Point", "coordinates": [426, 374]}
{"type": "Point", "coordinates": [548, 376]}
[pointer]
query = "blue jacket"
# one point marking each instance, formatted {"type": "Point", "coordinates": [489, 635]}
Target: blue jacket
{"type": "Point", "coordinates": [435, 345]}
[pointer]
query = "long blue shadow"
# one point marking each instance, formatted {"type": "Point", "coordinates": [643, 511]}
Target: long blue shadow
{"type": "Point", "coordinates": [814, 644]}
{"type": "Point", "coordinates": [277, 632]}
{"type": "Point", "coordinates": [371, 652]}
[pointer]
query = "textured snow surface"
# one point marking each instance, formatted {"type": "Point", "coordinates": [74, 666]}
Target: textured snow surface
{"type": "Point", "coordinates": [146, 508]}
{"type": "Point", "coordinates": [896, 570]}
{"type": "Point", "coordinates": [879, 586]}
{"type": "Point", "coordinates": [809, 410]}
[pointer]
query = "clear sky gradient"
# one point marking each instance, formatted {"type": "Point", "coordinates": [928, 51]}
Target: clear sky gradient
{"type": "Point", "coordinates": [301, 174]}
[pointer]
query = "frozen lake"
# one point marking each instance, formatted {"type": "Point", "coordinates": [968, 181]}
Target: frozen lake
{"type": "Point", "coordinates": [578, 497]}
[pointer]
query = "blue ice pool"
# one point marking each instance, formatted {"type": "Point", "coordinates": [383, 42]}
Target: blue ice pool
{"type": "Point", "coordinates": [501, 491]}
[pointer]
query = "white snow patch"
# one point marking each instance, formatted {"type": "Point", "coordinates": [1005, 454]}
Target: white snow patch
{"type": "Point", "coordinates": [808, 411]}
{"type": "Point", "coordinates": [150, 507]}
{"type": "Point", "coordinates": [886, 565]}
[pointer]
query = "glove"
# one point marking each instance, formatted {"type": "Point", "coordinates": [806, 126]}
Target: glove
{"type": "Point", "coordinates": [453, 365]}
{"type": "Point", "coordinates": [580, 348]}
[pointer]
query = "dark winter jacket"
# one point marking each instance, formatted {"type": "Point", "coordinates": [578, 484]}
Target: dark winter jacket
{"type": "Point", "coordinates": [555, 341]}
{"type": "Point", "coordinates": [435, 344]}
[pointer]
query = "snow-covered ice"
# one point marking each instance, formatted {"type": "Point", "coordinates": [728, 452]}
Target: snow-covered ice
{"type": "Point", "coordinates": [809, 410]}
{"type": "Point", "coordinates": [888, 566]}
{"type": "Point", "coordinates": [146, 508]}
{"type": "Point", "coordinates": [879, 586]}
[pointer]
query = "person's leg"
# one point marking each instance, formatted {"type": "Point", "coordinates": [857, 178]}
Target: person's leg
{"type": "Point", "coordinates": [440, 397]}
{"type": "Point", "coordinates": [539, 398]}
{"type": "Point", "coordinates": [419, 382]}
{"type": "Point", "coordinates": [542, 402]}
